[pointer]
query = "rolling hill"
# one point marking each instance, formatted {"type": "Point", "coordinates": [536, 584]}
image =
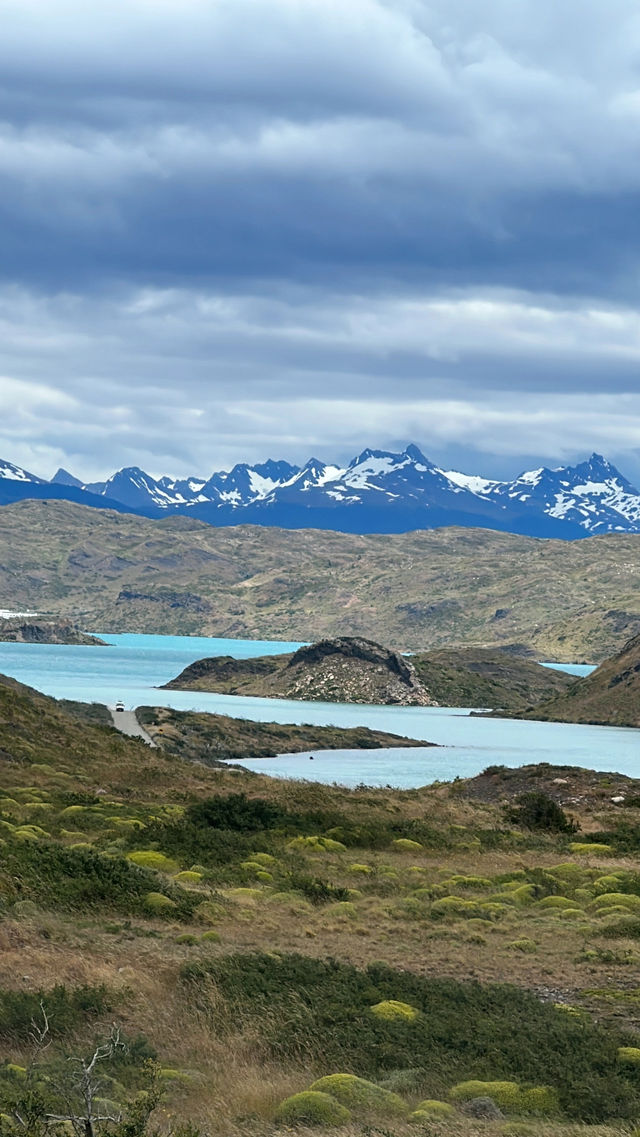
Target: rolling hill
{"type": "Point", "coordinates": [610, 696]}
{"type": "Point", "coordinates": [107, 571]}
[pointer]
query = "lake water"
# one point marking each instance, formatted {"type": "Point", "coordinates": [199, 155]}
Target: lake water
{"type": "Point", "coordinates": [133, 666]}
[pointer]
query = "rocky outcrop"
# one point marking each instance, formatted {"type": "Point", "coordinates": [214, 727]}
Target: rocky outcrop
{"type": "Point", "coordinates": [353, 670]}
{"type": "Point", "coordinates": [45, 632]}
{"type": "Point", "coordinates": [348, 669]}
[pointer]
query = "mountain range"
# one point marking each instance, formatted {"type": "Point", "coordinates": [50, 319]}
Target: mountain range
{"type": "Point", "coordinates": [377, 492]}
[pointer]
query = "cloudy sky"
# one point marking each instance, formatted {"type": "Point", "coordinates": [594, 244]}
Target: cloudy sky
{"type": "Point", "coordinates": [246, 228]}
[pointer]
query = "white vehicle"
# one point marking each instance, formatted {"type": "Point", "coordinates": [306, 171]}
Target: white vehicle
{"type": "Point", "coordinates": [119, 706]}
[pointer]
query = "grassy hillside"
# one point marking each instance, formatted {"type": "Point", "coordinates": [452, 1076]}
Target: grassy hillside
{"type": "Point", "coordinates": [610, 696]}
{"type": "Point", "coordinates": [233, 926]}
{"type": "Point", "coordinates": [210, 738]}
{"type": "Point", "coordinates": [415, 591]}
{"type": "Point", "coordinates": [477, 677]}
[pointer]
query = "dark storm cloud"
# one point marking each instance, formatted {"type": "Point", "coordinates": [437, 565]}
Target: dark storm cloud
{"type": "Point", "coordinates": [390, 218]}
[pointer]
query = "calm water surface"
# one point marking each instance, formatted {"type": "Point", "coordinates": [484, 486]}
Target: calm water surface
{"type": "Point", "coordinates": [134, 665]}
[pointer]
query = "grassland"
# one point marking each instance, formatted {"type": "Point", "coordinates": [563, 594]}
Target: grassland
{"type": "Point", "coordinates": [417, 591]}
{"type": "Point", "coordinates": [252, 934]}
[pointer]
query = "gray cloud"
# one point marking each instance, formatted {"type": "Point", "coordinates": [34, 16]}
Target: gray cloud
{"type": "Point", "coordinates": [266, 226]}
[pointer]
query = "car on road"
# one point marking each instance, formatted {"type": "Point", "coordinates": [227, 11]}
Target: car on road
{"type": "Point", "coordinates": [119, 706]}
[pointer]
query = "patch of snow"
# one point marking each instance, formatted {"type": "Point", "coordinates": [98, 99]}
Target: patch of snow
{"type": "Point", "coordinates": [470, 482]}
{"type": "Point", "coordinates": [261, 487]}
{"type": "Point", "coordinates": [531, 477]}
{"type": "Point", "coordinates": [7, 614]}
{"type": "Point", "coordinates": [15, 474]}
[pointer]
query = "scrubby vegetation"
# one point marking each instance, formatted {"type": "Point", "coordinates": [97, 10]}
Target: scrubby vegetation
{"type": "Point", "coordinates": [506, 1037]}
{"type": "Point", "coordinates": [233, 927]}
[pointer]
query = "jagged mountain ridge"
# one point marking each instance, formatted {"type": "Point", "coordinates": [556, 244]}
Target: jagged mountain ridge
{"type": "Point", "coordinates": [377, 492]}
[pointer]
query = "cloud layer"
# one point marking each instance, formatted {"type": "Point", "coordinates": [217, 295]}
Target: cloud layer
{"type": "Point", "coordinates": [247, 227]}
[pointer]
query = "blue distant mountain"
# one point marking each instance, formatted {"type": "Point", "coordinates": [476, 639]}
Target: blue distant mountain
{"type": "Point", "coordinates": [377, 492]}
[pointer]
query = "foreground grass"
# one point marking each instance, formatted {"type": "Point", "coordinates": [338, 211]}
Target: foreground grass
{"type": "Point", "coordinates": [435, 882]}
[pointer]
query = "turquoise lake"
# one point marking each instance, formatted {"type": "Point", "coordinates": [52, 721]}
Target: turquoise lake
{"type": "Point", "coordinates": [134, 665]}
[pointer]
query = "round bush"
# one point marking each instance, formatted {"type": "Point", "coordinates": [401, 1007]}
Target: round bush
{"type": "Point", "coordinates": [209, 912]}
{"type": "Point", "coordinates": [509, 1096]}
{"type": "Point", "coordinates": [360, 1096]}
{"type": "Point", "coordinates": [312, 1107]}
{"type": "Point", "coordinates": [150, 859]}
{"type": "Point", "coordinates": [211, 937]}
{"type": "Point", "coordinates": [630, 1055]}
{"type": "Point", "coordinates": [556, 902]}
{"type": "Point", "coordinates": [158, 903]}
{"type": "Point", "coordinates": [392, 1009]}
{"type": "Point", "coordinates": [431, 1109]}
{"type": "Point", "coordinates": [360, 868]}
{"type": "Point", "coordinates": [472, 882]}
{"type": "Point", "coordinates": [264, 859]}
{"type": "Point", "coordinates": [524, 945]}
{"type": "Point", "coordinates": [245, 895]}
{"type": "Point", "coordinates": [188, 877]}
{"type": "Point", "coordinates": [582, 849]}
{"type": "Point", "coordinates": [618, 899]}
{"type": "Point", "coordinates": [405, 845]}
{"type": "Point", "coordinates": [251, 867]}
{"type": "Point", "coordinates": [505, 1094]}
{"type": "Point", "coordinates": [608, 883]}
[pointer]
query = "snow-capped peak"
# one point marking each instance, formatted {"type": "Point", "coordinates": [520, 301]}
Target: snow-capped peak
{"type": "Point", "coordinates": [16, 473]}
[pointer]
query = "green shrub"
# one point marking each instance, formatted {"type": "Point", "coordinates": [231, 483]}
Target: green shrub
{"type": "Point", "coordinates": [629, 1054]}
{"type": "Point", "coordinates": [236, 812]}
{"type": "Point", "coordinates": [159, 904]}
{"type": "Point", "coordinates": [150, 859]}
{"type": "Point", "coordinates": [619, 899]}
{"type": "Point", "coordinates": [316, 890]}
{"type": "Point", "coordinates": [392, 1009]}
{"type": "Point", "coordinates": [406, 845]}
{"type": "Point", "coordinates": [455, 906]}
{"type": "Point", "coordinates": [536, 810]}
{"type": "Point", "coordinates": [430, 1109]}
{"type": "Point", "coordinates": [523, 945]}
{"type": "Point", "coordinates": [188, 877]}
{"type": "Point", "coordinates": [312, 1108]}
{"type": "Point", "coordinates": [67, 1009]}
{"type": "Point", "coordinates": [509, 1096]}
{"type": "Point", "coordinates": [54, 876]}
{"type": "Point", "coordinates": [360, 1096]}
{"type": "Point", "coordinates": [583, 849]}
{"type": "Point", "coordinates": [556, 902]}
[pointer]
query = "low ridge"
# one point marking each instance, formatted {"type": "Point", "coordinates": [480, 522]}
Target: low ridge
{"type": "Point", "coordinates": [610, 696]}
